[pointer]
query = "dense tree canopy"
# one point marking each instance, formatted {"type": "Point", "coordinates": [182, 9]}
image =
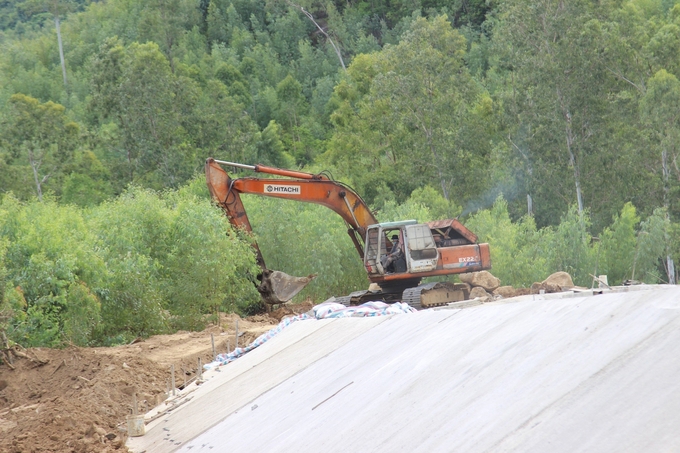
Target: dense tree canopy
{"type": "Point", "coordinates": [551, 127]}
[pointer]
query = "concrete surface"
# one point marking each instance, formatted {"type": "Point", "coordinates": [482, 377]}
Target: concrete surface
{"type": "Point", "coordinates": [550, 373]}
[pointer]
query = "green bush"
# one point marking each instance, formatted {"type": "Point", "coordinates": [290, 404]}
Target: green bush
{"type": "Point", "coordinates": [50, 260]}
{"type": "Point", "coordinates": [617, 246]}
{"type": "Point", "coordinates": [519, 252]}
{"type": "Point", "coordinates": [571, 250]}
{"type": "Point", "coordinates": [652, 247]}
{"type": "Point", "coordinates": [149, 262]}
{"type": "Point", "coordinates": [134, 266]}
{"type": "Point", "coordinates": [222, 266]}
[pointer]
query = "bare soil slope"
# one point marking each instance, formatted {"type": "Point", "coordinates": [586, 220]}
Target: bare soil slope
{"type": "Point", "coordinates": [76, 399]}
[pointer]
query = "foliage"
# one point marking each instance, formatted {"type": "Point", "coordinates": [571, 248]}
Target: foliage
{"type": "Point", "coordinates": [303, 239]}
{"type": "Point", "coordinates": [6, 310]}
{"type": "Point", "coordinates": [520, 254]}
{"type": "Point", "coordinates": [617, 248]}
{"type": "Point", "coordinates": [40, 137]}
{"type": "Point", "coordinates": [652, 248]}
{"type": "Point", "coordinates": [443, 106]}
{"type": "Point", "coordinates": [410, 126]}
{"type": "Point", "coordinates": [118, 271]}
{"type": "Point", "coordinates": [53, 269]}
{"type": "Point", "coordinates": [571, 249]}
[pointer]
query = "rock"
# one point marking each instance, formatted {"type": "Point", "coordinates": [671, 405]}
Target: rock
{"type": "Point", "coordinates": [505, 291]}
{"type": "Point", "coordinates": [479, 292]}
{"type": "Point", "coordinates": [7, 425]}
{"type": "Point", "coordinates": [483, 279]}
{"type": "Point", "coordinates": [536, 288]}
{"type": "Point", "coordinates": [522, 291]}
{"type": "Point", "coordinates": [561, 279]}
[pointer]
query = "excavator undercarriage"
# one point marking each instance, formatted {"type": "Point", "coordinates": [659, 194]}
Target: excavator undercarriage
{"type": "Point", "coordinates": [428, 295]}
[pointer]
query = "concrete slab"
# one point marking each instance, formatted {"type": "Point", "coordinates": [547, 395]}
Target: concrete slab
{"type": "Point", "coordinates": [543, 373]}
{"type": "Point", "coordinates": [238, 383]}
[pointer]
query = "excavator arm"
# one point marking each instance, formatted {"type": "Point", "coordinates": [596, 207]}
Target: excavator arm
{"type": "Point", "coordinates": [305, 187]}
{"type": "Point", "coordinates": [275, 286]}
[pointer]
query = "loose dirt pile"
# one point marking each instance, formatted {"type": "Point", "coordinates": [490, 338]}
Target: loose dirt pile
{"type": "Point", "coordinates": [77, 399]}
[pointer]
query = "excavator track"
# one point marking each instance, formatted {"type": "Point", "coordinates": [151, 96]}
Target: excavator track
{"type": "Point", "coordinates": [429, 295]}
{"type": "Point", "coordinates": [360, 297]}
{"type": "Point", "coordinates": [435, 294]}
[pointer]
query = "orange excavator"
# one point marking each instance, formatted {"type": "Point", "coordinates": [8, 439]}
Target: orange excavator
{"type": "Point", "coordinates": [396, 255]}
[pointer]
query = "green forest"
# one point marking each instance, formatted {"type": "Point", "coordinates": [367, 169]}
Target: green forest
{"type": "Point", "coordinates": [549, 128]}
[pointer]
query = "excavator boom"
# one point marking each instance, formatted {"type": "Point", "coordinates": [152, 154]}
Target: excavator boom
{"type": "Point", "coordinates": [275, 286]}
{"type": "Point", "coordinates": [307, 187]}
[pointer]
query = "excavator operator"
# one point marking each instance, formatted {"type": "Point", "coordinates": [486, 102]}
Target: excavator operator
{"type": "Point", "coordinates": [394, 261]}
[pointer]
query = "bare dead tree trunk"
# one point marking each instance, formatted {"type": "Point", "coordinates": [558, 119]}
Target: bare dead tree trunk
{"type": "Point", "coordinates": [574, 164]}
{"type": "Point", "coordinates": [61, 49]}
{"type": "Point", "coordinates": [310, 17]}
{"type": "Point", "coordinates": [37, 181]}
{"type": "Point", "coordinates": [665, 174]}
{"type": "Point", "coordinates": [670, 267]}
{"type": "Point", "coordinates": [35, 166]}
{"type": "Point", "coordinates": [570, 150]}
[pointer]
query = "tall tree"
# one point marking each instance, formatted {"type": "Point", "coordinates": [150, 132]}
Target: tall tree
{"type": "Point", "coordinates": [135, 88]}
{"type": "Point", "coordinates": [40, 135]}
{"type": "Point", "coordinates": [659, 107]}
{"type": "Point", "coordinates": [556, 97]}
{"type": "Point", "coordinates": [58, 9]}
{"type": "Point", "coordinates": [417, 114]}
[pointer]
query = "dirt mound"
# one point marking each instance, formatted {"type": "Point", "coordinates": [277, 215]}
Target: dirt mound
{"type": "Point", "coordinates": [73, 399]}
{"type": "Point", "coordinates": [76, 399]}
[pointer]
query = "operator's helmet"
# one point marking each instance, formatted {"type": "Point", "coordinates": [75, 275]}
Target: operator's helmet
{"type": "Point", "coordinates": [395, 237]}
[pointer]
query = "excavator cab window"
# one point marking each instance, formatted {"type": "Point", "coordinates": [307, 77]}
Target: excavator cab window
{"type": "Point", "coordinates": [392, 251]}
{"type": "Point", "coordinates": [380, 245]}
{"type": "Point", "coordinates": [371, 259]}
{"type": "Point", "coordinates": [422, 249]}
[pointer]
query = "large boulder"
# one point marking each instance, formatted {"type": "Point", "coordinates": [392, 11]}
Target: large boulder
{"type": "Point", "coordinates": [561, 279]}
{"type": "Point", "coordinates": [482, 279]}
{"type": "Point", "coordinates": [479, 293]}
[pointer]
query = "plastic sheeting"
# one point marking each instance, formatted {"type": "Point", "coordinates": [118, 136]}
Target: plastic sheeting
{"type": "Point", "coordinates": [327, 310]}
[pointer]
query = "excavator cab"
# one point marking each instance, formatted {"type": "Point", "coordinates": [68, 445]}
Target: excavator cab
{"type": "Point", "coordinates": [417, 249]}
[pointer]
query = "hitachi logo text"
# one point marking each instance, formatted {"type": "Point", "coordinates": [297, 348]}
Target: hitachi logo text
{"type": "Point", "coordinates": [274, 188]}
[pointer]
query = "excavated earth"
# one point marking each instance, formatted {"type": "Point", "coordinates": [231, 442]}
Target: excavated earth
{"type": "Point", "coordinates": [77, 399]}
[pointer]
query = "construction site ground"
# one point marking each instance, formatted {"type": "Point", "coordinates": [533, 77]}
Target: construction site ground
{"type": "Point", "coordinates": [582, 370]}
{"type": "Point", "coordinates": [77, 399]}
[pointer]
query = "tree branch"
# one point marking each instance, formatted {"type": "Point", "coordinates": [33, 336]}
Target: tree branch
{"type": "Point", "coordinates": [310, 17]}
{"type": "Point", "coordinates": [640, 89]}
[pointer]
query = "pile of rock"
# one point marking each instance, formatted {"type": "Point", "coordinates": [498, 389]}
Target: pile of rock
{"type": "Point", "coordinates": [482, 284]}
{"type": "Point", "coordinates": [485, 286]}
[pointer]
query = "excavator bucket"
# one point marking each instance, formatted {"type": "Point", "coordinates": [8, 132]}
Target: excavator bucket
{"type": "Point", "coordinates": [278, 287]}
